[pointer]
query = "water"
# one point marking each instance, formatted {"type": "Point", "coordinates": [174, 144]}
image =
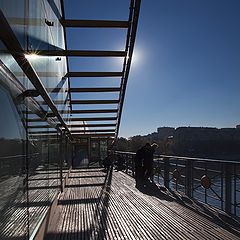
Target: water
{"type": "Point", "coordinates": [215, 195]}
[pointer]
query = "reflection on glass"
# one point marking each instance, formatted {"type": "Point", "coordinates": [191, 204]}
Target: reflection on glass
{"type": "Point", "coordinates": [12, 169]}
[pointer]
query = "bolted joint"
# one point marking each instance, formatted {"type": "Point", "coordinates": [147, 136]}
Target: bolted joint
{"type": "Point", "coordinates": [49, 23]}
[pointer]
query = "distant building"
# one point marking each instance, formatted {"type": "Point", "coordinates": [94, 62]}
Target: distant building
{"type": "Point", "coordinates": [165, 132]}
{"type": "Point", "coordinates": [207, 142]}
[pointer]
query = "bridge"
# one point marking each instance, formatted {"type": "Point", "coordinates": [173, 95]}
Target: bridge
{"type": "Point", "coordinates": [60, 117]}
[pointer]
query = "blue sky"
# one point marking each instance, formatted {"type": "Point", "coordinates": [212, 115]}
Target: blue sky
{"type": "Point", "coordinates": [186, 70]}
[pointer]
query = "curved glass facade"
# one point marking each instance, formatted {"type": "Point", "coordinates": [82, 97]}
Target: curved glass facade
{"type": "Point", "coordinates": [31, 152]}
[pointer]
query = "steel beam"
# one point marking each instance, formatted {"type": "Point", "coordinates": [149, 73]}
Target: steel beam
{"type": "Point", "coordinates": [11, 42]}
{"type": "Point", "coordinates": [130, 42]}
{"type": "Point", "coordinates": [35, 120]}
{"type": "Point", "coordinates": [90, 125]}
{"type": "Point", "coordinates": [78, 53]}
{"type": "Point", "coordinates": [40, 126]}
{"type": "Point", "coordinates": [75, 102]}
{"type": "Point", "coordinates": [93, 131]}
{"type": "Point", "coordinates": [43, 132]}
{"type": "Point", "coordinates": [94, 74]}
{"type": "Point", "coordinates": [94, 23]}
{"type": "Point", "coordinates": [87, 111]}
{"type": "Point", "coordinates": [77, 90]}
{"type": "Point", "coordinates": [90, 111]}
{"type": "Point", "coordinates": [95, 101]}
{"type": "Point", "coordinates": [92, 119]}
{"type": "Point", "coordinates": [94, 135]}
{"type": "Point", "coordinates": [57, 102]}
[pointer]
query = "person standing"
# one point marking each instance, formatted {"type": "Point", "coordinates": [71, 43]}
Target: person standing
{"type": "Point", "coordinates": [148, 163]}
{"type": "Point", "coordinates": [140, 158]}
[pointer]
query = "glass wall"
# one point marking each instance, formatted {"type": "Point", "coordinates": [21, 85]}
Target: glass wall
{"type": "Point", "coordinates": [98, 150]}
{"type": "Point", "coordinates": [31, 153]}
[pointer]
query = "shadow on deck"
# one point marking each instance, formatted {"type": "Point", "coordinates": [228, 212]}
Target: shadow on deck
{"type": "Point", "coordinates": [99, 205]}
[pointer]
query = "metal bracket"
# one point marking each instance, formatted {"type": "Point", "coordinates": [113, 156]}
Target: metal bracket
{"type": "Point", "coordinates": [50, 24]}
{"type": "Point", "coordinates": [27, 93]}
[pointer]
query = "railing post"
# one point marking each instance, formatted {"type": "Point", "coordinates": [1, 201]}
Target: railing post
{"type": "Point", "coordinates": [133, 166]}
{"type": "Point", "coordinates": [126, 163]}
{"type": "Point", "coordinates": [166, 172]}
{"type": "Point", "coordinates": [189, 178]}
{"type": "Point", "coordinates": [228, 188]}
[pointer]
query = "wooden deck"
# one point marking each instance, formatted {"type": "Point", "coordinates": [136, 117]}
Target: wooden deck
{"type": "Point", "coordinates": [43, 187]}
{"type": "Point", "coordinates": [97, 205]}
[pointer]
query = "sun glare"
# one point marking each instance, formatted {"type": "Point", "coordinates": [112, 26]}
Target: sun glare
{"type": "Point", "coordinates": [31, 56]}
{"type": "Point", "coordinates": [135, 57]}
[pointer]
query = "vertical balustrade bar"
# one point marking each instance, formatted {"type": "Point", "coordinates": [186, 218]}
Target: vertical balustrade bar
{"type": "Point", "coordinates": [228, 188]}
{"type": "Point", "coordinates": [166, 168]}
{"type": "Point", "coordinates": [189, 178]}
{"type": "Point", "coordinates": [158, 168]}
{"type": "Point", "coordinates": [222, 194]}
{"type": "Point", "coordinates": [235, 189]}
{"type": "Point", "coordinates": [205, 189]}
{"type": "Point", "coordinates": [133, 166]}
{"type": "Point", "coordinates": [126, 162]}
{"type": "Point", "coordinates": [61, 161]}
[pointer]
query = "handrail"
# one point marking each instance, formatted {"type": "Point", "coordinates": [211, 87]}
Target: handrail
{"type": "Point", "coordinates": [187, 158]}
{"type": "Point", "coordinates": [214, 182]}
{"type": "Point", "coordinates": [18, 156]}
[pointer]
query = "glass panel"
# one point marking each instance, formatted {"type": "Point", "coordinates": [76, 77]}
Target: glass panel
{"type": "Point", "coordinates": [30, 151]}
{"type": "Point", "coordinates": [95, 151]}
{"type": "Point", "coordinates": [13, 206]}
{"type": "Point", "coordinates": [103, 149]}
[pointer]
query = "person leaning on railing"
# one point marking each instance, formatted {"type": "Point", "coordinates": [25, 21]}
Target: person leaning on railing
{"type": "Point", "coordinates": [143, 164]}
{"type": "Point", "coordinates": [148, 163]}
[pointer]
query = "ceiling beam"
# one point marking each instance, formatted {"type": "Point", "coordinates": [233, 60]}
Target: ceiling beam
{"type": "Point", "coordinates": [77, 53]}
{"type": "Point", "coordinates": [116, 101]}
{"type": "Point", "coordinates": [35, 120]}
{"type": "Point", "coordinates": [63, 102]}
{"type": "Point", "coordinates": [94, 74]}
{"type": "Point", "coordinates": [40, 132]}
{"type": "Point", "coordinates": [77, 90]}
{"type": "Point", "coordinates": [86, 111]}
{"type": "Point", "coordinates": [93, 131]}
{"type": "Point", "coordinates": [40, 126]}
{"type": "Point", "coordinates": [94, 23]}
{"type": "Point", "coordinates": [96, 119]}
{"type": "Point", "coordinates": [90, 125]}
{"type": "Point", "coordinates": [94, 135]}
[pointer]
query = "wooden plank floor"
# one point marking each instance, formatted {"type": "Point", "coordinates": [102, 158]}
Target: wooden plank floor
{"type": "Point", "coordinates": [43, 186]}
{"type": "Point", "coordinates": [97, 205]}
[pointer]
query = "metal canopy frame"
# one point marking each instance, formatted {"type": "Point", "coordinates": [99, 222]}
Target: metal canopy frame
{"type": "Point", "coordinates": [85, 129]}
{"type": "Point", "coordinates": [109, 121]}
{"type": "Point", "coordinates": [14, 47]}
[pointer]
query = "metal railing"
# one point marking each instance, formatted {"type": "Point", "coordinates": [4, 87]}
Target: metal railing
{"type": "Point", "coordinates": [214, 182]}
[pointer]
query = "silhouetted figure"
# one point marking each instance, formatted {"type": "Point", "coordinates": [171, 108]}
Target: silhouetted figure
{"type": "Point", "coordinates": [107, 162]}
{"type": "Point", "coordinates": [141, 157]}
{"type": "Point", "coordinates": [148, 163]}
{"type": "Point", "coordinates": [119, 163]}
